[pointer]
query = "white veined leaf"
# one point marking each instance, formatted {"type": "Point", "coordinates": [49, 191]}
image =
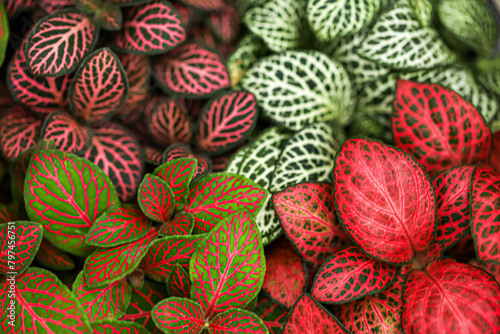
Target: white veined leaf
{"type": "Point", "coordinates": [249, 50]}
{"type": "Point", "coordinates": [424, 11]}
{"type": "Point", "coordinates": [295, 89]}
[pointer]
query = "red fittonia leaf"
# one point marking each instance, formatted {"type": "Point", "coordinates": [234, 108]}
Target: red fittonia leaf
{"type": "Point", "coordinates": [52, 6]}
{"type": "Point", "coordinates": [153, 155]}
{"type": "Point", "coordinates": [437, 127]}
{"type": "Point", "coordinates": [117, 226]}
{"type": "Point", "coordinates": [112, 326]}
{"type": "Point", "coordinates": [349, 275]}
{"type": "Point", "coordinates": [178, 316]}
{"type": "Point", "coordinates": [156, 199]}
{"type": "Point", "coordinates": [187, 13]}
{"type": "Point", "coordinates": [217, 196]}
{"type": "Point", "coordinates": [492, 269]}
{"type": "Point", "coordinates": [235, 321]}
{"type": "Point", "coordinates": [109, 301]}
{"type": "Point", "coordinates": [100, 87]}
{"type": "Point", "coordinates": [451, 297]}
{"type": "Point", "coordinates": [384, 200]}
{"type": "Point", "coordinates": [178, 175]}
{"type": "Point", "coordinates": [53, 258]}
{"type": "Point", "coordinates": [286, 275]}
{"type": "Point", "coordinates": [19, 242]}
{"type": "Point", "coordinates": [191, 70]}
{"type": "Point", "coordinates": [192, 106]}
{"type": "Point", "coordinates": [151, 29]}
{"type": "Point", "coordinates": [107, 265]}
{"type": "Point", "coordinates": [181, 224]}
{"type": "Point", "coordinates": [271, 314]}
{"type": "Point", "coordinates": [380, 313]}
{"type": "Point", "coordinates": [179, 151]}
{"type": "Point", "coordinates": [58, 43]}
{"type": "Point", "coordinates": [207, 5]}
{"type": "Point", "coordinates": [14, 7]}
{"type": "Point", "coordinates": [68, 135]}
{"type": "Point", "coordinates": [109, 17]}
{"type": "Point", "coordinates": [308, 316]}
{"type": "Point", "coordinates": [453, 204]}
{"type": "Point", "coordinates": [66, 194]}
{"type": "Point", "coordinates": [118, 153]}
{"type": "Point", "coordinates": [226, 121]}
{"type": "Point", "coordinates": [166, 252]}
{"type": "Point", "coordinates": [19, 131]}
{"type": "Point", "coordinates": [178, 284]}
{"type": "Point", "coordinates": [137, 69]}
{"type": "Point", "coordinates": [484, 218]}
{"type": "Point", "coordinates": [307, 213]}
{"type": "Point", "coordinates": [225, 24]}
{"type": "Point", "coordinates": [227, 270]}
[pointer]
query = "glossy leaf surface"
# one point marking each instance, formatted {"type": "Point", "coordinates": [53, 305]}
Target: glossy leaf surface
{"type": "Point", "coordinates": [169, 123]}
{"type": "Point", "coordinates": [156, 199]}
{"type": "Point", "coordinates": [19, 131]}
{"type": "Point", "coordinates": [179, 315]}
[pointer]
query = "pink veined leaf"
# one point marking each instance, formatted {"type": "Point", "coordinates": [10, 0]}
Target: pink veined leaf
{"type": "Point", "coordinates": [437, 127]}
{"type": "Point", "coordinates": [152, 28]}
{"type": "Point", "coordinates": [202, 34]}
{"type": "Point", "coordinates": [217, 196]}
{"type": "Point", "coordinates": [68, 135]}
{"type": "Point", "coordinates": [181, 224]}
{"type": "Point", "coordinates": [179, 316]}
{"type": "Point", "coordinates": [226, 121]}
{"type": "Point", "coordinates": [178, 174]}
{"type": "Point", "coordinates": [484, 218]}
{"type": "Point", "coordinates": [307, 213]}
{"type": "Point", "coordinates": [117, 226]}
{"type": "Point", "coordinates": [192, 106]}
{"type": "Point", "coordinates": [236, 321]}
{"type": "Point", "coordinates": [224, 24]}
{"type": "Point", "coordinates": [59, 42]}
{"type": "Point", "coordinates": [109, 301]}
{"type": "Point", "coordinates": [286, 276]}
{"type": "Point", "coordinates": [153, 155]}
{"type": "Point", "coordinates": [109, 17]}
{"type": "Point", "coordinates": [207, 5]}
{"type": "Point", "coordinates": [19, 131]}
{"type": "Point", "coordinates": [53, 258]}
{"type": "Point", "coordinates": [118, 153]}
{"type": "Point", "coordinates": [168, 123]}
{"type": "Point", "coordinates": [451, 297]}
{"type": "Point", "coordinates": [166, 252]}
{"type": "Point", "coordinates": [178, 284]}
{"type": "Point", "coordinates": [492, 269]}
{"type": "Point", "coordinates": [66, 194]}
{"type": "Point", "coordinates": [100, 87]}
{"type": "Point", "coordinates": [179, 151]}
{"type": "Point", "coordinates": [227, 269]}
{"type": "Point", "coordinates": [271, 314]}
{"type": "Point", "coordinates": [380, 313]}
{"type": "Point", "coordinates": [112, 326]}
{"type": "Point", "coordinates": [350, 275]}
{"type": "Point", "coordinates": [52, 6]}
{"type": "Point", "coordinates": [156, 199]}
{"type": "Point", "coordinates": [137, 69]}
{"type": "Point", "coordinates": [39, 95]}
{"type": "Point", "coordinates": [384, 200]}
{"type": "Point", "coordinates": [191, 71]}
{"type": "Point", "coordinates": [20, 239]}
{"type": "Point", "coordinates": [453, 204]}
{"type": "Point", "coordinates": [42, 302]}
{"type": "Point", "coordinates": [308, 316]}
{"type": "Point", "coordinates": [14, 7]}
{"type": "Point", "coordinates": [187, 13]}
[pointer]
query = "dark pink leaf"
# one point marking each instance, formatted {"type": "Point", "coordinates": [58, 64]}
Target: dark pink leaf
{"type": "Point", "coordinates": [138, 74]}
{"type": "Point", "coordinates": [225, 24]}
{"type": "Point", "coordinates": [52, 6]}
{"type": "Point", "coordinates": [14, 7]}
{"type": "Point", "coordinates": [168, 123]}
{"type": "Point", "coordinates": [156, 199]}
{"type": "Point", "coordinates": [153, 155]}
{"type": "Point", "coordinates": [179, 151]}
{"type": "Point", "coordinates": [19, 131]}
{"type": "Point", "coordinates": [207, 5]}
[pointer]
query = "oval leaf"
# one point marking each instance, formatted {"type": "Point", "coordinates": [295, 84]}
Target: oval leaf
{"type": "Point", "coordinates": [19, 131]}
{"type": "Point", "coordinates": [178, 284]}
{"type": "Point", "coordinates": [181, 224]}
{"type": "Point", "coordinates": [137, 69]}
{"type": "Point", "coordinates": [178, 316]}
{"type": "Point", "coordinates": [156, 199]}
{"type": "Point", "coordinates": [168, 123]}
{"type": "Point", "coordinates": [237, 321]}
{"type": "Point", "coordinates": [111, 326]}
{"type": "Point", "coordinates": [179, 151]}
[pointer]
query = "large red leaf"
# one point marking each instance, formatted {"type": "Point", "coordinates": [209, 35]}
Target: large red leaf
{"type": "Point", "coordinates": [150, 29]}
{"type": "Point", "coordinates": [226, 121]}
{"type": "Point", "coordinates": [349, 275]}
{"type": "Point", "coordinates": [179, 151]}
{"type": "Point", "coordinates": [53, 258]}
{"type": "Point", "coordinates": [308, 316]}
{"type": "Point", "coordinates": [138, 74]}
{"type": "Point", "coordinates": [437, 127]}
{"type": "Point", "coordinates": [19, 131]}
{"type": "Point", "coordinates": [484, 219]}
{"type": "Point", "coordinates": [451, 297]}
{"type": "Point", "coordinates": [236, 321]}
{"type": "Point", "coordinates": [307, 214]}
{"type": "Point", "coordinates": [179, 316]}
{"type": "Point", "coordinates": [191, 70]}
{"type": "Point", "coordinates": [59, 42]}
{"type": "Point", "coordinates": [271, 314]}
{"type": "Point", "coordinates": [156, 199]}
{"type": "Point", "coordinates": [384, 199]}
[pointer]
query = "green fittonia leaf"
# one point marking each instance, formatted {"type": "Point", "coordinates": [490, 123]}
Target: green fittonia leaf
{"type": "Point", "coordinates": [156, 198]}
{"type": "Point", "coordinates": [250, 49]}
{"type": "Point", "coordinates": [4, 32]}
{"type": "Point", "coordinates": [112, 326]}
{"type": "Point", "coordinates": [178, 284]}
{"type": "Point", "coordinates": [279, 23]}
{"type": "Point", "coordinates": [423, 10]}
{"type": "Point", "coordinates": [257, 161]}
{"type": "Point", "coordinates": [398, 40]}
{"type": "Point", "coordinates": [330, 19]}
{"type": "Point", "coordinates": [295, 89]}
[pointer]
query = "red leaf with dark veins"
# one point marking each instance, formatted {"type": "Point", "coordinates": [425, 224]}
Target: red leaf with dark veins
{"type": "Point", "coordinates": [207, 5]}
{"type": "Point", "coordinates": [153, 155]}
{"type": "Point", "coordinates": [156, 199]}
{"type": "Point", "coordinates": [437, 127]}
{"type": "Point", "coordinates": [19, 131]}
{"type": "Point", "coordinates": [384, 199]}
{"type": "Point", "coordinates": [492, 269]}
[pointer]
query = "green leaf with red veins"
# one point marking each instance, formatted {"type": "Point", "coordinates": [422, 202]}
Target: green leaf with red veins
{"type": "Point", "coordinates": [236, 321]}
{"type": "Point", "coordinates": [112, 326]}
{"type": "Point", "coordinates": [484, 218]}
{"type": "Point", "coordinates": [53, 258]}
{"type": "Point", "coordinates": [178, 174]}
{"type": "Point", "coordinates": [43, 305]}
{"type": "Point", "coordinates": [286, 275]}
{"type": "Point", "coordinates": [119, 225]}
{"type": "Point", "coordinates": [349, 275]}
{"type": "Point", "coordinates": [109, 301]}
{"type": "Point", "coordinates": [308, 316]}
{"type": "Point", "coordinates": [384, 200]}
{"type": "Point", "coordinates": [166, 252]}
{"type": "Point", "coordinates": [215, 197]}
{"type": "Point", "coordinates": [179, 316]}
{"type": "Point", "coordinates": [110, 264]}
{"type": "Point", "coordinates": [156, 199]}
{"type": "Point", "coordinates": [271, 314]}
{"type": "Point", "coordinates": [143, 300]}
{"type": "Point", "coordinates": [181, 224]}
{"type": "Point", "coordinates": [178, 284]}
{"type": "Point", "coordinates": [227, 270]}
{"type": "Point", "coordinates": [19, 242]}
{"type": "Point", "coordinates": [380, 313]}
{"type": "Point", "coordinates": [307, 214]}
{"type": "Point", "coordinates": [66, 194]}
